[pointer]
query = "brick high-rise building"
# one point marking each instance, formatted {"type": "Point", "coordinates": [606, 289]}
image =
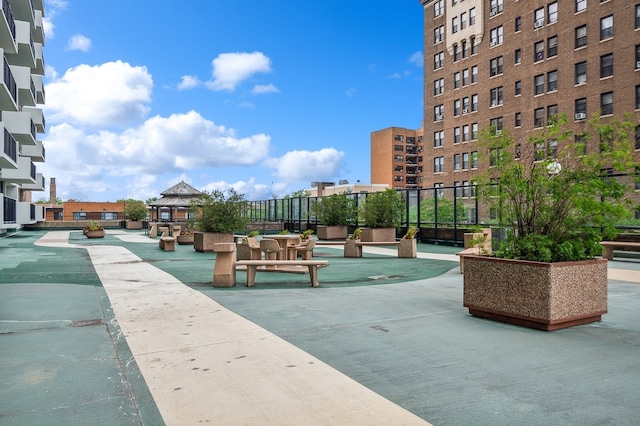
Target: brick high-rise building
{"type": "Point", "coordinates": [21, 93]}
{"type": "Point", "coordinates": [513, 64]}
{"type": "Point", "coordinates": [396, 157]}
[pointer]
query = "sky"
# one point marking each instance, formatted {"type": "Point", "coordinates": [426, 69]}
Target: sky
{"type": "Point", "coordinates": [264, 97]}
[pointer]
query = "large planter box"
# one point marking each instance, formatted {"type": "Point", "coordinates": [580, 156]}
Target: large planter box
{"type": "Point", "coordinates": [369, 235]}
{"type": "Point", "coordinates": [545, 296]}
{"type": "Point", "coordinates": [94, 234]}
{"type": "Point", "coordinates": [185, 240]}
{"type": "Point", "coordinates": [332, 232]}
{"type": "Point", "coordinates": [408, 248]}
{"type": "Point", "coordinates": [203, 241]}
{"type": "Point", "coordinates": [134, 224]}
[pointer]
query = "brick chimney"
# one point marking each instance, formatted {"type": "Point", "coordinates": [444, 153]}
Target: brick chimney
{"type": "Point", "coordinates": [52, 191]}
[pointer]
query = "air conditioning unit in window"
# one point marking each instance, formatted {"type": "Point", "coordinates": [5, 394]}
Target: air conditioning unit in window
{"type": "Point", "coordinates": [581, 116]}
{"type": "Point", "coordinates": [464, 111]}
{"type": "Point", "coordinates": [493, 43]}
{"type": "Point", "coordinates": [539, 23]}
{"type": "Point", "coordinates": [439, 117]}
{"type": "Point", "coordinates": [494, 103]}
{"type": "Point", "coordinates": [494, 12]}
{"type": "Point", "coordinates": [498, 132]}
{"type": "Point", "coordinates": [637, 64]}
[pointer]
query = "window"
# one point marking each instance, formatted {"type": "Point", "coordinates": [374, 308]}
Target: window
{"type": "Point", "coordinates": [496, 95]}
{"type": "Point", "coordinates": [438, 186]}
{"type": "Point", "coordinates": [438, 8]}
{"type": "Point", "coordinates": [581, 5]}
{"type": "Point", "coordinates": [581, 109]}
{"type": "Point", "coordinates": [637, 143]}
{"type": "Point", "coordinates": [552, 148]}
{"type": "Point", "coordinates": [456, 135]}
{"type": "Point", "coordinates": [518, 88]}
{"type": "Point", "coordinates": [538, 117]}
{"type": "Point", "coordinates": [606, 27]}
{"type": "Point", "coordinates": [518, 24]}
{"type": "Point", "coordinates": [552, 81]}
{"type": "Point", "coordinates": [465, 76]}
{"type": "Point", "coordinates": [456, 80]}
{"type": "Point", "coordinates": [465, 160]}
{"type": "Point", "coordinates": [538, 18]}
{"type": "Point", "coordinates": [465, 105]}
{"type": "Point", "coordinates": [552, 12]}
{"type": "Point", "coordinates": [399, 148]}
{"type": "Point", "coordinates": [538, 51]}
{"type": "Point", "coordinates": [606, 103]}
{"type": "Point", "coordinates": [465, 133]}
{"type": "Point", "coordinates": [581, 36]}
{"type": "Point", "coordinates": [637, 97]}
{"type": "Point", "coordinates": [456, 107]}
{"type": "Point", "coordinates": [465, 50]}
{"type": "Point", "coordinates": [474, 159]}
{"type": "Point", "coordinates": [517, 56]}
{"type": "Point", "coordinates": [496, 125]}
{"type": "Point", "coordinates": [552, 114]}
{"type": "Point", "coordinates": [637, 56]}
{"type": "Point", "coordinates": [472, 16]}
{"type": "Point", "coordinates": [495, 155]}
{"type": "Point", "coordinates": [79, 215]}
{"type": "Point", "coordinates": [456, 161]}
{"type": "Point", "coordinates": [474, 131]}
{"type": "Point", "coordinates": [495, 7]}
{"type": "Point", "coordinates": [518, 119]}
{"type": "Point", "coordinates": [474, 73]}
{"type": "Point", "coordinates": [438, 164]}
{"type": "Point", "coordinates": [538, 84]}
{"type": "Point", "coordinates": [438, 138]}
{"type": "Point", "coordinates": [463, 20]}
{"type": "Point", "coordinates": [456, 53]}
{"type": "Point", "coordinates": [552, 46]}
{"type": "Point", "coordinates": [398, 138]}
{"type": "Point", "coordinates": [474, 46]}
{"type": "Point", "coordinates": [538, 154]}
{"type": "Point", "coordinates": [474, 102]}
{"type": "Point", "coordinates": [496, 36]}
{"type": "Point", "coordinates": [438, 112]}
{"type": "Point", "coordinates": [517, 154]}
{"type": "Point", "coordinates": [454, 24]}
{"type": "Point", "coordinates": [581, 73]}
{"type": "Point", "coordinates": [398, 169]}
{"type": "Point", "coordinates": [399, 158]}
{"type": "Point", "coordinates": [108, 216]}
{"type": "Point", "coordinates": [438, 34]}
{"type": "Point", "coordinates": [606, 65]}
{"type": "Point", "coordinates": [637, 16]}
{"type": "Point", "coordinates": [495, 66]}
{"type": "Point", "coordinates": [438, 60]}
{"type": "Point", "coordinates": [438, 86]}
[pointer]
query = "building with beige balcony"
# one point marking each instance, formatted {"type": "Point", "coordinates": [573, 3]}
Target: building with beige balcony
{"type": "Point", "coordinates": [21, 117]}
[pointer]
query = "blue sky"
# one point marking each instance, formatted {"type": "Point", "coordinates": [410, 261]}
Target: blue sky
{"type": "Point", "coordinates": [261, 96]}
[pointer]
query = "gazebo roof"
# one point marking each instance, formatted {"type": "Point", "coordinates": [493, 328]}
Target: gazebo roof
{"type": "Point", "coordinates": [179, 195]}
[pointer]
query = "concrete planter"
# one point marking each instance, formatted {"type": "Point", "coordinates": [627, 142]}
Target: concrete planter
{"type": "Point", "coordinates": [351, 249]}
{"type": "Point", "coordinates": [332, 232]}
{"type": "Point", "coordinates": [369, 235]}
{"type": "Point", "coordinates": [134, 224]}
{"type": "Point", "coordinates": [545, 296]}
{"type": "Point", "coordinates": [185, 239]}
{"type": "Point", "coordinates": [243, 251]}
{"type": "Point", "coordinates": [94, 234]}
{"type": "Point", "coordinates": [203, 241]}
{"type": "Point", "coordinates": [408, 248]}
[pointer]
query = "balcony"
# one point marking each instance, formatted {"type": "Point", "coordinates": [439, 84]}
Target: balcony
{"type": "Point", "coordinates": [35, 152]}
{"type": "Point", "coordinates": [24, 174]}
{"type": "Point", "coordinates": [9, 89]}
{"type": "Point", "coordinates": [21, 126]}
{"type": "Point", "coordinates": [26, 87]}
{"type": "Point", "coordinates": [39, 69]}
{"type": "Point", "coordinates": [39, 88]}
{"type": "Point", "coordinates": [26, 51]}
{"type": "Point", "coordinates": [38, 186]}
{"type": "Point", "coordinates": [7, 29]}
{"type": "Point", "coordinates": [38, 31]}
{"type": "Point", "coordinates": [9, 156]}
{"type": "Point", "coordinates": [23, 10]}
{"type": "Point", "coordinates": [37, 116]}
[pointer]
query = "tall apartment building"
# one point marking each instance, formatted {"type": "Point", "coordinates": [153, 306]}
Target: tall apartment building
{"type": "Point", "coordinates": [513, 64]}
{"type": "Point", "coordinates": [21, 118]}
{"type": "Point", "coordinates": [397, 158]}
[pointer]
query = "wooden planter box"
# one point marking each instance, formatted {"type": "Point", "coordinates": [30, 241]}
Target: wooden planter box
{"type": "Point", "coordinates": [332, 232]}
{"type": "Point", "coordinates": [134, 224]}
{"type": "Point", "coordinates": [369, 235]}
{"type": "Point", "coordinates": [203, 241]}
{"type": "Point", "coordinates": [545, 296]}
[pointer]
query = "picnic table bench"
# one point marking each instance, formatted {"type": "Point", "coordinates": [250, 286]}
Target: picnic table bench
{"type": "Point", "coordinates": [609, 246]}
{"type": "Point", "coordinates": [252, 267]}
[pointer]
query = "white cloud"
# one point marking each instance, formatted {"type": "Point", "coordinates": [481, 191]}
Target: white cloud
{"type": "Point", "coordinates": [261, 89]}
{"type": "Point", "coordinates": [417, 58]}
{"type": "Point", "coordinates": [53, 7]}
{"type": "Point", "coordinates": [188, 82]}
{"type": "Point", "coordinates": [79, 42]}
{"type": "Point", "coordinates": [350, 92]}
{"type": "Point", "coordinates": [399, 75]}
{"type": "Point", "coordinates": [230, 69]}
{"type": "Point", "coordinates": [296, 166]}
{"type": "Point", "coordinates": [111, 94]}
{"type": "Point", "coordinates": [249, 188]}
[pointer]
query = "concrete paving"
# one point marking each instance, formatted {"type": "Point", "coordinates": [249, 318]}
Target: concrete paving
{"type": "Point", "coordinates": [141, 347]}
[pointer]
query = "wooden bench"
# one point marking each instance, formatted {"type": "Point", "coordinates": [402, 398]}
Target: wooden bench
{"type": "Point", "coordinates": [167, 243]}
{"type": "Point", "coordinates": [252, 267]}
{"type": "Point", "coordinates": [330, 243]}
{"type": "Point", "coordinates": [609, 246]}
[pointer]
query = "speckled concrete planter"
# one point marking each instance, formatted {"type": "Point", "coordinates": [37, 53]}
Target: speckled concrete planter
{"type": "Point", "coordinates": [369, 235]}
{"type": "Point", "coordinates": [203, 241]}
{"type": "Point", "coordinates": [545, 296]}
{"type": "Point", "coordinates": [408, 248]}
{"type": "Point", "coordinates": [332, 232]}
{"type": "Point", "coordinates": [134, 224]}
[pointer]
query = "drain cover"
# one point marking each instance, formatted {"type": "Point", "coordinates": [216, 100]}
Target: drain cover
{"type": "Point", "coordinates": [86, 323]}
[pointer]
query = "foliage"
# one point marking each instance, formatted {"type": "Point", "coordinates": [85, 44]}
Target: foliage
{"type": "Point", "coordinates": [300, 193]}
{"type": "Point", "coordinates": [411, 233]}
{"type": "Point", "coordinates": [220, 212]}
{"type": "Point", "coordinates": [356, 234]}
{"type": "Point", "coordinates": [251, 234]}
{"type": "Point", "coordinates": [135, 210]}
{"type": "Point", "coordinates": [335, 210]}
{"type": "Point", "coordinates": [444, 211]}
{"type": "Point", "coordinates": [92, 225]}
{"type": "Point", "coordinates": [383, 209]}
{"type": "Point", "coordinates": [306, 233]}
{"type": "Point", "coordinates": [552, 213]}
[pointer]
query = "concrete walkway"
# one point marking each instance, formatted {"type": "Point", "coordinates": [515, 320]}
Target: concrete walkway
{"type": "Point", "coordinates": [205, 364]}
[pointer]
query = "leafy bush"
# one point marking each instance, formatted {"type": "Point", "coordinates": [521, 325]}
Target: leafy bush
{"type": "Point", "coordinates": [135, 210]}
{"type": "Point", "coordinates": [220, 212]}
{"type": "Point", "coordinates": [335, 210]}
{"type": "Point", "coordinates": [383, 209]}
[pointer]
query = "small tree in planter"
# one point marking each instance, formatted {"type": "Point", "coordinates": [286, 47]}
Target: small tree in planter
{"type": "Point", "coordinates": [381, 211]}
{"type": "Point", "coordinates": [134, 211]}
{"type": "Point", "coordinates": [220, 216]}
{"type": "Point", "coordinates": [335, 212]}
{"type": "Point", "coordinates": [555, 206]}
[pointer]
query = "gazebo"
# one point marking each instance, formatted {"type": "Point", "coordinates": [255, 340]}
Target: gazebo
{"type": "Point", "coordinates": [176, 201]}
